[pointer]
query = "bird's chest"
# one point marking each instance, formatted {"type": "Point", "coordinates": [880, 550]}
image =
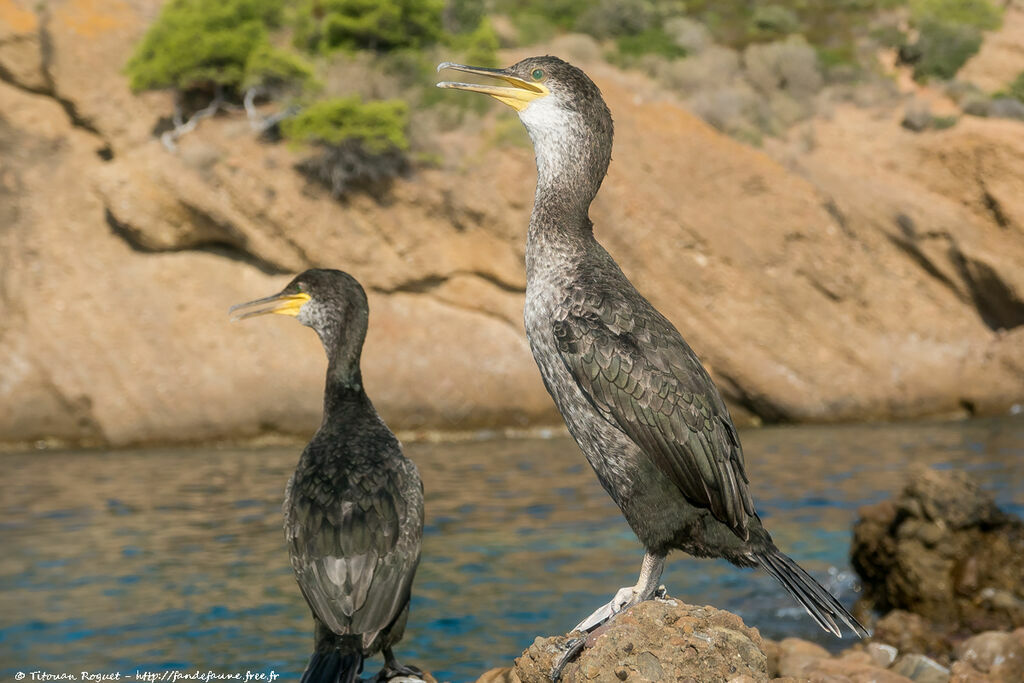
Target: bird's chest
{"type": "Point", "coordinates": [606, 447]}
{"type": "Point", "coordinates": [544, 297]}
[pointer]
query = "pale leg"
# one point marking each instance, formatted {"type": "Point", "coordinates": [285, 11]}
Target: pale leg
{"type": "Point", "coordinates": [645, 589]}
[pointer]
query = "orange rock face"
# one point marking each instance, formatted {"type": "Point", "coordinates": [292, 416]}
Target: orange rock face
{"type": "Point", "coordinates": [866, 272]}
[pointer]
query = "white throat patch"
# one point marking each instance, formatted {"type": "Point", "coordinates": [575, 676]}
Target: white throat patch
{"type": "Point", "coordinates": [551, 127]}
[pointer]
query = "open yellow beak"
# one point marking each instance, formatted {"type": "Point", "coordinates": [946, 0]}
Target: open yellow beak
{"type": "Point", "coordinates": [518, 96]}
{"type": "Point", "coordinates": [283, 304]}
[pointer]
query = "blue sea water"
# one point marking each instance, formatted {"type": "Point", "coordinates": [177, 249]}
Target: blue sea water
{"type": "Point", "coordinates": [174, 560]}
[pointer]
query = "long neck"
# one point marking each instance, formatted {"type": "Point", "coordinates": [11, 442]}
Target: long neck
{"type": "Point", "coordinates": [572, 158]}
{"type": "Point", "coordinates": [344, 390]}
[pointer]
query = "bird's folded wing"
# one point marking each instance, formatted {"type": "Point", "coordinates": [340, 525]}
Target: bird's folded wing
{"type": "Point", "coordinates": [350, 559]}
{"type": "Point", "coordinates": [639, 373]}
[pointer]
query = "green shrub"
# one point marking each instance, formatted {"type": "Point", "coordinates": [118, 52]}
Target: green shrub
{"type": "Point", "coordinates": [560, 13]}
{"type": "Point", "coordinates": [379, 125]}
{"type": "Point", "coordinates": [198, 44]}
{"type": "Point", "coordinates": [773, 22]}
{"type": "Point", "coordinates": [981, 14]}
{"type": "Point", "coordinates": [1016, 89]}
{"type": "Point", "coordinates": [460, 16]}
{"type": "Point", "coordinates": [380, 25]}
{"type": "Point", "coordinates": [942, 48]}
{"type": "Point", "coordinates": [533, 28]}
{"type": "Point", "coordinates": [360, 146]}
{"type": "Point", "coordinates": [278, 71]}
{"type": "Point", "coordinates": [610, 18]}
{"type": "Point", "coordinates": [480, 47]}
{"type": "Point", "coordinates": [651, 41]}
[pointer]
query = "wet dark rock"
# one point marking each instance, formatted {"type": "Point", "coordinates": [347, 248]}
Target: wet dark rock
{"type": "Point", "coordinates": [941, 550]}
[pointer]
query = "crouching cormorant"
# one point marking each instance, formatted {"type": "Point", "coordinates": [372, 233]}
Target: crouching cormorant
{"type": "Point", "coordinates": [633, 394]}
{"type": "Point", "coordinates": [353, 509]}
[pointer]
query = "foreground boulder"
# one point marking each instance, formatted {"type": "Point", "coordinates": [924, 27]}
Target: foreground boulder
{"type": "Point", "coordinates": [942, 562]}
{"type": "Point", "coordinates": [657, 640]}
{"type": "Point", "coordinates": [667, 640]}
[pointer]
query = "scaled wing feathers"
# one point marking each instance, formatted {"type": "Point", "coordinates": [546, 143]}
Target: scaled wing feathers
{"type": "Point", "coordinates": [637, 370]}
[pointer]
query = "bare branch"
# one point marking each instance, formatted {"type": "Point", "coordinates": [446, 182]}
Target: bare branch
{"type": "Point", "coordinates": [170, 137]}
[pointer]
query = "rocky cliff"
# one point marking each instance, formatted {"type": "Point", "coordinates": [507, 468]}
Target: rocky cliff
{"type": "Point", "coordinates": [857, 270]}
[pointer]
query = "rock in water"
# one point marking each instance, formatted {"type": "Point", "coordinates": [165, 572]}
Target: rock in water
{"type": "Point", "coordinates": [657, 640]}
{"type": "Point", "coordinates": [944, 551]}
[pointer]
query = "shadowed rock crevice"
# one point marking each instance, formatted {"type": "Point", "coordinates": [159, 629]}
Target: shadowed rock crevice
{"type": "Point", "coordinates": [906, 242]}
{"type": "Point", "coordinates": [429, 283]}
{"type": "Point", "coordinates": [431, 286]}
{"type": "Point", "coordinates": [224, 248]}
{"type": "Point", "coordinates": [48, 85]}
{"type": "Point", "coordinates": [996, 209]}
{"type": "Point", "coordinates": [767, 410]}
{"type": "Point", "coordinates": [1000, 307]}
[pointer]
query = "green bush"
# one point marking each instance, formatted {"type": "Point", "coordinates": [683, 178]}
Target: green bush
{"type": "Point", "coordinates": [651, 41]}
{"type": "Point", "coordinates": [561, 13]}
{"type": "Point", "coordinates": [480, 47]}
{"type": "Point", "coordinates": [942, 48]}
{"type": "Point", "coordinates": [1016, 89]}
{"type": "Point", "coordinates": [533, 28]}
{"type": "Point", "coordinates": [378, 125]}
{"type": "Point", "coordinates": [361, 146]}
{"type": "Point", "coordinates": [772, 22]}
{"type": "Point", "coordinates": [198, 44]}
{"type": "Point", "coordinates": [278, 71]}
{"type": "Point", "coordinates": [610, 18]}
{"type": "Point", "coordinates": [379, 25]}
{"type": "Point", "coordinates": [980, 14]}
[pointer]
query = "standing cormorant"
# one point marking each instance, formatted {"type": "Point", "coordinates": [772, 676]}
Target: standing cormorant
{"type": "Point", "coordinates": [353, 509]}
{"type": "Point", "coordinates": [633, 394]}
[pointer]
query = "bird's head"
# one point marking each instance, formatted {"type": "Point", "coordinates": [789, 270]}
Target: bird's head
{"type": "Point", "coordinates": [562, 109]}
{"type": "Point", "coordinates": [330, 301]}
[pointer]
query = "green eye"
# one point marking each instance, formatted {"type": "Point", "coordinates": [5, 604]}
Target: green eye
{"type": "Point", "coordinates": [538, 74]}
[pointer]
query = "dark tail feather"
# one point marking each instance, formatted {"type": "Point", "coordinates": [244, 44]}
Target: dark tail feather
{"type": "Point", "coordinates": [818, 602]}
{"type": "Point", "coordinates": [333, 667]}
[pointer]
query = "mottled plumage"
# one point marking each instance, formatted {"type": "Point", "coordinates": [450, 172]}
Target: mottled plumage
{"type": "Point", "coordinates": [353, 508]}
{"type": "Point", "coordinates": [634, 395]}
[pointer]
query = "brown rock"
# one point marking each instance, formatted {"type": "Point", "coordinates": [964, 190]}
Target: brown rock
{"type": "Point", "coordinates": [771, 650]}
{"type": "Point", "coordinates": [500, 675]}
{"type": "Point", "coordinates": [882, 655]}
{"type": "Point", "coordinates": [656, 640]}
{"type": "Point", "coordinates": [997, 654]}
{"type": "Point", "coordinates": [854, 671]}
{"type": "Point", "coordinates": [943, 551]}
{"type": "Point", "coordinates": [908, 632]}
{"type": "Point", "coordinates": [962, 672]}
{"type": "Point", "coordinates": [921, 669]}
{"type": "Point", "coordinates": [797, 656]}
